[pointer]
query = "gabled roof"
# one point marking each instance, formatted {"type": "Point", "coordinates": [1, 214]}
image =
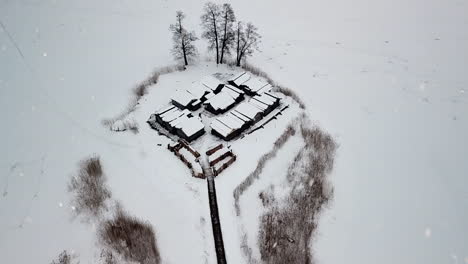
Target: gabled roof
{"type": "Point", "coordinates": [190, 126]}
{"type": "Point", "coordinates": [265, 88]}
{"type": "Point", "coordinates": [258, 104]}
{"type": "Point", "coordinates": [232, 88]}
{"type": "Point", "coordinates": [231, 121]}
{"type": "Point", "coordinates": [164, 109]}
{"type": "Point", "coordinates": [240, 78]}
{"type": "Point", "coordinates": [171, 115]}
{"type": "Point", "coordinates": [211, 82]}
{"type": "Point", "coordinates": [221, 128]}
{"type": "Point", "coordinates": [183, 98]}
{"type": "Point", "coordinates": [255, 84]}
{"type": "Point", "coordinates": [266, 99]}
{"type": "Point", "coordinates": [232, 91]}
{"type": "Point", "coordinates": [240, 116]}
{"type": "Point", "coordinates": [197, 91]}
{"type": "Point", "coordinates": [221, 101]}
{"type": "Point", "coordinates": [248, 110]}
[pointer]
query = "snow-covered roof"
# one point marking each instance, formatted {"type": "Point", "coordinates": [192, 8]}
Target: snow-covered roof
{"type": "Point", "coordinates": [231, 121]}
{"type": "Point", "coordinates": [240, 116]}
{"type": "Point", "coordinates": [272, 95]}
{"type": "Point", "coordinates": [255, 84]}
{"type": "Point", "coordinates": [210, 95]}
{"type": "Point", "coordinates": [183, 98]}
{"type": "Point", "coordinates": [265, 88]}
{"type": "Point", "coordinates": [197, 91]}
{"type": "Point", "coordinates": [230, 87]}
{"type": "Point", "coordinates": [221, 128]}
{"type": "Point", "coordinates": [174, 115]}
{"type": "Point", "coordinates": [258, 104]}
{"type": "Point", "coordinates": [234, 93]}
{"type": "Point", "coordinates": [266, 99]}
{"type": "Point", "coordinates": [165, 109]}
{"type": "Point", "coordinates": [170, 112]}
{"type": "Point", "coordinates": [221, 100]}
{"type": "Point", "coordinates": [241, 78]}
{"type": "Point", "coordinates": [248, 110]}
{"type": "Point", "coordinates": [190, 126]}
{"type": "Point", "coordinates": [176, 122]}
{"type": "Point", "coordinates": [211, 82]}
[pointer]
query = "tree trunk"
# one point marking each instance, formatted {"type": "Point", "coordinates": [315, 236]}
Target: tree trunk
{"type": "Point", "coordinates": [185, 55]}
{"type": "Point", "coordinates": [183, 42]}
{"type": "Point", "coordinates": [224, 38]}
{"type": "Point", "coordinates": [216, 36]}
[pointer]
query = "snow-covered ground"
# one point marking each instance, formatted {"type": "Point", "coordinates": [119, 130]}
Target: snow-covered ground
{"type": "Point", "coordinates": [387, 79]}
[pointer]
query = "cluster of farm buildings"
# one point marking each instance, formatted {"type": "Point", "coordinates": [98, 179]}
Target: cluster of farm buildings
{"type": "Point", "coordinates": [238, 104]}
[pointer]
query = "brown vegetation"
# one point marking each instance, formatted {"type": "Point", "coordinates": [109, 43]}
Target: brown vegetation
{"type": "Point", "coordinates": [65, 258]}
{"type": "Point", "coordinates": [88, 188]}
{"type": "Point", "coordinates": [130, 237]}
{"type": "Point", "coordinates": [286, 230]}
{"type": "Point", "coordinates": [242, 187]}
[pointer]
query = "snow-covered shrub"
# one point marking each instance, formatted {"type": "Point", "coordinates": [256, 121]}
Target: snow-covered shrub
{"type": "Point", "coordinates": [65, 258]}
{"type": "Point", "coordinates": [278, 144]}
{"type": "Point", "coordinates": [130, 237]}
{"type": "Point", "coordinates": [288, 92]}
{"type": "Point", "coordinates": [309, 192]}
{"type": "Point", "coordinates": [124, 125]}
{"type": "Point", "coordinates": [88, 188]}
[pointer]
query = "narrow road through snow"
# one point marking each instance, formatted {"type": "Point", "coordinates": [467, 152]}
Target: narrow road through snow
{"type": "Point", "coordinates": [217, 233]}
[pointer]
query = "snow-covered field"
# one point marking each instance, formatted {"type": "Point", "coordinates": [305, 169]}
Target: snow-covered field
{"type": "Point", "coordinates": [388, 79]}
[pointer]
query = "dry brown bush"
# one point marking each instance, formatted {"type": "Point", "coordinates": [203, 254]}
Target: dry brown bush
{"type": "Point", "coordinates": [65, 258]}
{"type": "Point", "coordinates": [278, 144]}
{"type": "Point", "coordinates": [130, 237]}
{"type": "Point", "coordinates": [88, 188]}
{"type": "Point", "coordinates": [285, 231]}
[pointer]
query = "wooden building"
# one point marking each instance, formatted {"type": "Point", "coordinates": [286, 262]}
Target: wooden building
{"type": "Point", "coordinates": [178, 122]}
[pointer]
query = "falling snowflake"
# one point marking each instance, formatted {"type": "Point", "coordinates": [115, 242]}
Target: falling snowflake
{"type": "Point", "coordinates": [44, 54]}
{"type": "Point", "coordinates": [422, 86]}
{"type": "Point", "coordinates": [21, 174]}
{"type": "Point", "coordinates": [60, 204]}
{"type": "Point", "coordinates": [427, 232]}
{"type": "Point", "coordinates": [462, 90]}
{"type": "Point", "coordinates": [28, 220]}
{"type": "Point", "coordinates": [92, 97]}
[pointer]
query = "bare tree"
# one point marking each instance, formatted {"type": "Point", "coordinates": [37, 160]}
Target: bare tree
{"type": "Point", "coordinates": [246, 41]}
{"type": "Point", "coordinates": [211, 23]}
{"type": "Point", "coordinates": [183, 40]}
{"type": "Point", "coordinates": [227, 32]}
